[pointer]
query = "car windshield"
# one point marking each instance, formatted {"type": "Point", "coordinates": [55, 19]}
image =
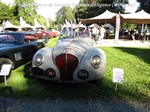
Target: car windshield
{"type": "Point", "coordinates": [11, 38]}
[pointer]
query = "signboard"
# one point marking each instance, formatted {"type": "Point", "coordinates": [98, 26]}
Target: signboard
{"type": "Point", "coordinates": [5, 69]}
{"type": "Point", "coordinates": [118, 75]}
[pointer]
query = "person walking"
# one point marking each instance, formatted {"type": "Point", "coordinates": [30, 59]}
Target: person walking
{"type": "Point", "coordinates": [102, 33]}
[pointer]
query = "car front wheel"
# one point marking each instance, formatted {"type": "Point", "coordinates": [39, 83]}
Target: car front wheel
{"type": "Point", "coordinates": [5, 61]}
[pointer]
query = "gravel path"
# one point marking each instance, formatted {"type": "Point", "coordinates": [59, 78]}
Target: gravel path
{"type": "Point", "coordinates": [80, 105]}
{"type": "Point", "coordinates": [124, 43]}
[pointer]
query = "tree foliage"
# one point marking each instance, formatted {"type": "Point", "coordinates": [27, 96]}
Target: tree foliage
{"type": "Point", "coordinates": [91, 8]}
{"type": "Point", "coordinates": [6, 13]}
{"type": "Point", "coordinates": [145, 5]}
{"type": "Point", "coordinates": [25, 9]}
{"type": "Point", "coordinates": [64, 13]}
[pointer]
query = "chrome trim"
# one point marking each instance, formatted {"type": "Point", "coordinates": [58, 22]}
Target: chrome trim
{"type": "Point", "coordinates": [18, 56]}
{"type": "Point", "coordinates": [92, 63]}
{"type": "Point", "coordinates": [41, 61]}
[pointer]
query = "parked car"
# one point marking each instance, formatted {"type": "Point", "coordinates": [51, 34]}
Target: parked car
{"type": "Point", "coordinates": [41, 33]}
{"type": "Point", "coordinates": [17, 48]}
{"type": "Point", "coordinates": [72, 60]}
{"type": "Point", "coordinates": [53, 32]}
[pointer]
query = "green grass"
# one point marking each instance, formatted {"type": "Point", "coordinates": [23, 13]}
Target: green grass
{"type": "Point", "coordinates": [136, 86]}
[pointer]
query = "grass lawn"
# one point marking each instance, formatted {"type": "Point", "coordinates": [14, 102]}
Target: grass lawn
{"type": "Point", "coordinates": [136, 86]}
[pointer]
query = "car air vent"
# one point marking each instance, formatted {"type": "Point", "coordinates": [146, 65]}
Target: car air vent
{"type": "Point", "coordinates": [66, 64]}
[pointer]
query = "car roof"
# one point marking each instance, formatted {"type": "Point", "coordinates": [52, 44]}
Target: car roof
{"type": "Point", "coordinates": [17, 33]}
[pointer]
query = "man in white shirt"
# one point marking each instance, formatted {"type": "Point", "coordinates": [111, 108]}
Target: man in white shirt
{"type": "Point", "coordinates": [94, 33]}
{"type": "Point", "coordinates": [102, 33]}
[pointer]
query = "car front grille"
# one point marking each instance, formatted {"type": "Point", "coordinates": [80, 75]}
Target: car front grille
{"type": "Point", "coordinates": [66, 64]}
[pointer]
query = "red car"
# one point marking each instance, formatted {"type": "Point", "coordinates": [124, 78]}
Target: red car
{"type": "Point", "coordinates": [41, 33]}
{"type": "Point", "coordinates": [54, 33]}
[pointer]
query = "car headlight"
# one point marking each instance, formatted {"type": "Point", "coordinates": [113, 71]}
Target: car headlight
{"type": "Point", "coordinates": [96, 61]}
{"type": "Point", "coordinates": [38, 60]}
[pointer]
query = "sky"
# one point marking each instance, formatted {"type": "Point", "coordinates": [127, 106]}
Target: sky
{"type": "Point", "coordinates": [48, 8]}
{"type": "Point", "coordinates": [132, 7]}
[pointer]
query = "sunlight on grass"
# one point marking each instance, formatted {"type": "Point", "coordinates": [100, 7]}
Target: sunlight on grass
{"type": "Point", "coordinates": [134, 61]}
{"type": "Point", "coordinates": [136, 71]}
{"type": "Point", "coordinates": [51, 43]}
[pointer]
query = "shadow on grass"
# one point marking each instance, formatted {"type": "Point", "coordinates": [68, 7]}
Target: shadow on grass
{"type": "Point", "coordinates": [45, 89]}
{"type": "Point", "coordinates": [6, 91]}
{"type": "Point", "coordinates": [27, 69]}
{"type": "Point", "coordinates": [142, 53]}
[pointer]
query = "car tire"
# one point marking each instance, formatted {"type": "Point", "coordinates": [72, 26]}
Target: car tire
{"type": "Point", "coordinates": [5, 61]}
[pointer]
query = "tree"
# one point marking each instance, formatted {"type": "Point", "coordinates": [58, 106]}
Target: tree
{"type": "Point", "coordinates": [91, 8]}
{"type": "Point", "coordinates": [119, 5]}
{"type": "Point", "coordinates": [60, 15]}
{"type": "Point", "coordinates": [6, 13]}
{"type": "Point", "coordinates": [25, 9]}
{"type": "Point", "coordinates": [64, 13]}
{"type": "Point", "coordinates": [145, 5]}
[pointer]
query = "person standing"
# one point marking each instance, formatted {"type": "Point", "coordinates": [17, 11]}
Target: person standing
{"type": "Point", "coordinates": [94, 33]}
{"type": "Point", "coordinates": [132, 34]}
{"type": "Point", "coordinates": [139, 32]}
{"type": "Point", "coordinates": [102, 33]}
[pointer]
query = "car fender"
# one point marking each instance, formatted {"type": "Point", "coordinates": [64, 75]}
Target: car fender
{"type": "Point", "coordinates": [85, 64]}
{"type": "Point", "coordinates": [48, 61]}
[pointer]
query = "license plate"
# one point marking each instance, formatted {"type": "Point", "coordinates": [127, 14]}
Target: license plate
{"type": "Point", "coordinates": [67, 81]}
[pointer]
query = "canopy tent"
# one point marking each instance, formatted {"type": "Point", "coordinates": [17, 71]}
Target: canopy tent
{"type": "Point", "coordinates": [80, 26]}
{"type": "Point", "coordinates": [73, 25]}
{"type": "Point", "coordinates": [67, 25]}
{"type": "Point", "coordinates": [111, 27]}
{"type": "Point", "coordinates": [140, 17]}
{"type": "Point", "coordinates": [37, 25]}
{"type": "Point", "coordinates": [108, 25]}
{"type": "Point", "coordinates": [24, 25]}
{"type": "Point", "coordinates": [10, 26]}
{"type": "Point", "coordinates": [92, 25]}
{"type": "Point", "coordinates": [106, 17]}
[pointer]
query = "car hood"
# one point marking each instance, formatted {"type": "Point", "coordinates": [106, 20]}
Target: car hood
{"type": "Point", "coordinates": [76, 47]}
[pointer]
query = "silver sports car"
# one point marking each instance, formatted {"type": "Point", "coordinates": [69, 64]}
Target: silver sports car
{"type": "Point", "coordinates": [72, 60]}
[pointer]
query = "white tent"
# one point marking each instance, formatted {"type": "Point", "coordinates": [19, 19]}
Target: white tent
{"type": "Point", "coordinates": [10, 26]}
{"type": "Point", "coordinates": [106, 17]}
{"type": "Point", "coordinates": [140, 17]}
{"type": "Point", "coordinates": [92, 25]}
{"type": "Point", "coordinates": [111, 27]}
{"type": "Point", "coordinates": [37, 24]}
{"type": "Point", "coordinates": [23, 24]}
{"type": "Point", "coordinates": [67, 24]}
{"type": "Point", "coordinates": [80, 26]}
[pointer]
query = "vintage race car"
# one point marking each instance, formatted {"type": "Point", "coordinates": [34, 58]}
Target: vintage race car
{"type": "Point", "coordinates": [17, 48]}
{"type": "Point", "coordinates": [72, 60]}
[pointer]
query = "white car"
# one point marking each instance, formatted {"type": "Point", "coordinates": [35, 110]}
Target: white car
{"type": "Point", "coordinates": [72, 60]}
